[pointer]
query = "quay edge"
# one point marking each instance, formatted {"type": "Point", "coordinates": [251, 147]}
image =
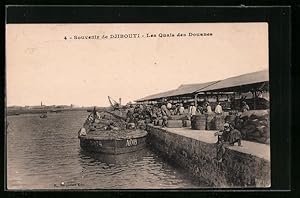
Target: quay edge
{"type": "Point", "coordinates": [239, 168]}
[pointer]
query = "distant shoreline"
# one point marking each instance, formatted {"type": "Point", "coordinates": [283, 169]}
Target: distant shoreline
{"type": "Point", "coordinates": [12, 112]}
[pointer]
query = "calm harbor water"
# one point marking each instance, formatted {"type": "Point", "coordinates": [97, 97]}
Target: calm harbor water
{"type": "Point", "coordinates": [45, 154]}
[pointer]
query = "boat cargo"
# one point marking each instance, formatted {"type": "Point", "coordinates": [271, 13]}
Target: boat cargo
{"type": "Point", "coordinates": [111, 135]}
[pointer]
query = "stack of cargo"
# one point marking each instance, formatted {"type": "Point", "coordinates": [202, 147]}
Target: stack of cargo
{"type": "Point", "coordinates": [178, 117]}
{"type": "Point", "coordinates": [174, 123]}
{"type": "Point", "coordinates": [230, 119]}
{"type": "Point", "coordinates": [254, 126]}
{"type": "Point", "coordinates": [105, 121]}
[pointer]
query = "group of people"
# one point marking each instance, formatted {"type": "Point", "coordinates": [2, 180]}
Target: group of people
{"type": "Point", "coordinates": [142, 114]}
{"type": "Point", "coordinates": [205, 108]}
{"type": "Point", "coordinates": [149, 113]}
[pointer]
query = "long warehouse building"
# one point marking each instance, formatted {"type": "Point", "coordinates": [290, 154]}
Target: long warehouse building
{"type": "Point", "coordinates": [251, 86]}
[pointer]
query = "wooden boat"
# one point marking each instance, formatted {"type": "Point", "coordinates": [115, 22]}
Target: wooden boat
{"type": "Point", "coordinates": [43, 116]}
{"type": "Point", "coordinates": [97, 137]}
{"type": "Point", "coordinates": [113, 142]}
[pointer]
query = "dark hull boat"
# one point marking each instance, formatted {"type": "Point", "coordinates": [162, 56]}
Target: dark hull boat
{"type": "Point", "coordinates": [113, 142]}
{"type": "Point", "coordinates": [43, 116]}
{"type": "Point", "coordinates": [110, 135]}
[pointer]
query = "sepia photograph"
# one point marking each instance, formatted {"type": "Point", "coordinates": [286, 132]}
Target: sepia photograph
{"type": "Point", "coordinates": [137, 106]}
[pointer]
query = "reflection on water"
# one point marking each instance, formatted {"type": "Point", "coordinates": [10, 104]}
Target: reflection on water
{"type": "Point", "coordinates": [45, 154]}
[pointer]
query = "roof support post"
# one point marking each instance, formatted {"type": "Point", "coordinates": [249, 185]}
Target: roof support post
{"type": "Point", "coordinates": [196, 99]}
{"type": "Point", "coordinates": [254, 99]}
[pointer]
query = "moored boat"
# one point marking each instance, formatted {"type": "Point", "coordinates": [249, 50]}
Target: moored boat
{"type": "Point", "coordinates": [109, 133]}
{"type": "Point", "coordinates": [113, 142]}
{"type": "Point", "coordinates": [43, 116]}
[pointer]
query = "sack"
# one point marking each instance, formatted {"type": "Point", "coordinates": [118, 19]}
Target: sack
{"type": "Point", "coordinates": [174, 124]}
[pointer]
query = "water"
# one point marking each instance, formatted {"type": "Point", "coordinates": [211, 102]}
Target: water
{"type": "Point", "coordinates": [45, 154]}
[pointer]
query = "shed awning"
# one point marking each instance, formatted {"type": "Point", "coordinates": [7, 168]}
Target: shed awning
{"type": "Point", "coordinates": [237, 81]}
{"type": "Point", "coordinates": [190, 88]}
{"type": "Point", "coordinates": [181, 90]}
{"type": "Point", "coordinates": [156, 96]}
{"type": "Point", "coordinates": [247, 81]}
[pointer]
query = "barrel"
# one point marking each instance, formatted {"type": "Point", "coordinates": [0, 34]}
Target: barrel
{"type": "Point", "coordinates": [219, 122]}
{"type": "Point", "coordinates": [198, 122]}
{"type": "Point", "coordinates": [174, 123]}
{"type": "Point", "coordinates": [210, 122]}
{"type": "Point", "coordinates": [186, 123]}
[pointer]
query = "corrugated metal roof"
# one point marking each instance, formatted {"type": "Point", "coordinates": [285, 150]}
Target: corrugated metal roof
{"type": "Point", "coordinates": [245, 79]}
{"type": "Point", "coordinates": [181, 90]}
{"type": "Point", "coordinates": [190, 88]}
{"type": "Point", "coordinates": [156, 96]}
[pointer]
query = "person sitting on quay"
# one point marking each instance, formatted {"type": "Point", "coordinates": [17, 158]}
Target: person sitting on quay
{"type": "Point", "coordinates": [245, 106]}
{"type": "Point", "coordinates": [227, 137]}
{"type": "Point", "coordinates": [218, 109]}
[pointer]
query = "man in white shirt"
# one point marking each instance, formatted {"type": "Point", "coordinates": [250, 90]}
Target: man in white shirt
{"type": "Point", "coordinates": [192, 110]}
{"type": "Point", "coordinates": [181, 109]}
{"type": "Point", "coordinates": [169, 105]}
{"type": "Point", "coordinates": [218, 109]}
{"type": "Point", "coordinates": [208, 108]}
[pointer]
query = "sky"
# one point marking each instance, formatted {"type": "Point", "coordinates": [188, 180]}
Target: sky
{"type": "Point", "coordinates": [43, 66]}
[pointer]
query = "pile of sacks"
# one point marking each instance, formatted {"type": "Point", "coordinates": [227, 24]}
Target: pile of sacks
{"type": "Point", "coordinates": [105, 121]}
{"type": "Point", "coordinates": [139, 116]}
{"type": "Point", "coordinates": [254, 125]}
